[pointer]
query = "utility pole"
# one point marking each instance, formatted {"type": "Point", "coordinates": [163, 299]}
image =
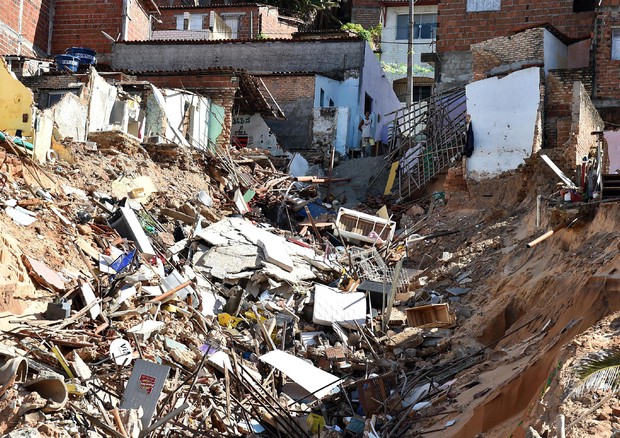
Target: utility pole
{"type": "Point", "coordinates": [410, 55]}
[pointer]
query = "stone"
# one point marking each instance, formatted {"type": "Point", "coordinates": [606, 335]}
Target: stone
{"type": "Point", "coordinates": [222, 261]}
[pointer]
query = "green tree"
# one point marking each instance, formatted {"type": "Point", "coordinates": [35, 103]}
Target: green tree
{"type": "Point", "coordinates": [304, 9]}
{"type": "Point", "coordinates": [372, 35]}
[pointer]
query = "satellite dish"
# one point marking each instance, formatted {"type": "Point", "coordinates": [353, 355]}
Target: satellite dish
{"type": "Point", "coordinates": [121, 352]}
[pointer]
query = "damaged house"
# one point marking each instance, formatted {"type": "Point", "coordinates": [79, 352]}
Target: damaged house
{"type": "Point", "coordinates": [222, 21]}
{"type": "Point", "coordinates": [530, 91]}
{"type": "Point", "coordinates": [322, 100]}
{"type": "Point", "coordinates": [155, 108]}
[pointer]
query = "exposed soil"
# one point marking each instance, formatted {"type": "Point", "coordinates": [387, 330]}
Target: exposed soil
{"type": "Point", "coordinates": [531, 307]}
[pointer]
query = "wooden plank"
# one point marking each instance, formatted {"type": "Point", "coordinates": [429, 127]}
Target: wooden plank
{"type": "Point", "coordinates": [186, 219]}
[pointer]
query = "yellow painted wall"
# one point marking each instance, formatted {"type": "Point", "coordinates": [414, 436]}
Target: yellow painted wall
{"type": "Point", "coordinates": [15, 102]}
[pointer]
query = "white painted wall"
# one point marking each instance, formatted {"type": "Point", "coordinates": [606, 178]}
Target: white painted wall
{"type": "Point", "coordinates": [504, 113]}
{"type": "Point", "coordinates": [556, 52]}
{"type": "Point", "coordinates": [175, 111]}
{"type": "Point", "coordinates": [259, 135]}
{"type": "Point", "coordinates": [395, 51]}
{"type": "Point", "coordinates": [103, 96]}
{"type": "Point", "coordinates": [70, 116]}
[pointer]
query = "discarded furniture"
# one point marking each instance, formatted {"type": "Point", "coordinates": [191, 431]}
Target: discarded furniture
{"type": "Point", "coordinates": [374, 392]}
{"type": "Point", "coordinates": [433, 315]}
{"type": "Point", "coordinates": [356, 226]}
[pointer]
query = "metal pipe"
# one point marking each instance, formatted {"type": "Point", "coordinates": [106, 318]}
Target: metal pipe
{"type": "Point", "coordinates": [20, 20]}
{"type": "Point", "coordinates": [125, 21]}
{"type": "Point", "coordinates": [50, 29]}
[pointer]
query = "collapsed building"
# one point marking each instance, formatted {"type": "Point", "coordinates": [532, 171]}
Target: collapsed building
{"type": "Point", "coordinates": [168, 269]}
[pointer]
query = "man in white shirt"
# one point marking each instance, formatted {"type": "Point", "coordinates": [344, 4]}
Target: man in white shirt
{"type": "Point", "coordinates": [366, 127]}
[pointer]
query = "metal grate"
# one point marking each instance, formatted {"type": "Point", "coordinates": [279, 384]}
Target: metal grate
{"type": "Point", "coordinates": [426, 138]}
{"type": "Point", "coordinates": [372, 267]}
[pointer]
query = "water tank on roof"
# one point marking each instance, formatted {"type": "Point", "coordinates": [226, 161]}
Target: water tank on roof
{"type": "Point", "coordinates": [85, 55]}
{"type": "Point", "coordinates": [67, 62]}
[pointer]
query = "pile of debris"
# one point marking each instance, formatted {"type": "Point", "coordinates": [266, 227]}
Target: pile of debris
{"type": "Point", "coordinates": [241, 305]}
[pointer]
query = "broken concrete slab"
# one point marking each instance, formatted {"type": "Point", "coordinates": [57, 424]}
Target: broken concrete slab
{"type": "Point", "coordinates": [222, 261]}
{"type": "Point", "coordinates": [458, 291]}
{"type": "Point", "coordinates": [274, 252]}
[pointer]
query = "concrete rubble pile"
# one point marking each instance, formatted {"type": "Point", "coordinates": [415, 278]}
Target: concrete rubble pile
{"type": "Point", "coordinates": [248, 309]}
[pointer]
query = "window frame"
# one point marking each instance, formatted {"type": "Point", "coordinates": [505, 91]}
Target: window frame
{"type": "Point", "coordinates": [417, 26]}
{"type": "Point", "coordinates": [483, 6]}
{"type": "Point", "coordinates": [399, 30]}
{"type": "Point", "coordinates": [615, 43]}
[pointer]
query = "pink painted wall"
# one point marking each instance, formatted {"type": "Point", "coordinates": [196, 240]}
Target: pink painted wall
{"type": "Point", "coordinates": [579, 54]}
{"type": "Point", "coordinates": [613, 142]}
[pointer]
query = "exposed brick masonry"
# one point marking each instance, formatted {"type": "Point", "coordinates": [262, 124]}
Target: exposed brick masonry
{"type": "Point", "coordinates": [607, 70]}
{"type": "Point", "coordinates": [458, 29]}
{"type": "Point", "coordinates": [527, 45]}
{"type": "Point", "coordinates": [559, 102]}
{"type": "Point", "coordinates": [81, 22]}
{"type": "Point", "coordinates": [35, 27]}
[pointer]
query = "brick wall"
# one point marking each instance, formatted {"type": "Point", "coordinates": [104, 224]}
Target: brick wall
{"type": "Point", "coordinates": [39, 84]}
{"type": "Point", "coordinates": [225, 99]}
{"type": "Point", "coordinates": [583, 121]}
{"type": "Point", "coordinates": [607, 70]}
{"type": "Point", "coordinates": [366, 14]}
{"type": "Point", "coordinates": [80, 23]}
{"type": "Point", "coordinates": [138, 29]}
{"type": "Point", "coordinates": [253, 21]}
{"type": "Point", "coordinates": [559, 102]}
{"type": "Point", "coordinates": [524, 46]}
{"type": "Point", "coordinates": [34, 27]}
{"type": "Point", "coordinates": [271, 25]}
{"type": "Point", "coordinates": [295, 95]}
{"type": "Point", "coordinates": [459, 29]}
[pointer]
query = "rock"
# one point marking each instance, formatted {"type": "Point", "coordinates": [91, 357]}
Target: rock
{"type": "Point", "coordinates": [615, 411]}
{"type": "Point", "coordinates": [531, 433]}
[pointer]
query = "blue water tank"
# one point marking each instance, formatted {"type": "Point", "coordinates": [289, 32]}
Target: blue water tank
{"type": "Point", "coordinates": [67, 62]}
{"type": "Point", "coordinates": [86, 56]}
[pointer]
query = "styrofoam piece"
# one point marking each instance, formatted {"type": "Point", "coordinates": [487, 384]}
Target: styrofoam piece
{"type": "Point", "coordinates": [146, 328]}
{"type": "Point", "coordinates": [314, 380]}
{"type": "Point", "coordinates": [20, 217]}
{"type": "Point", "coordinates": [331, 305]}
{"type": "Point", "coordinates": [89, 296]}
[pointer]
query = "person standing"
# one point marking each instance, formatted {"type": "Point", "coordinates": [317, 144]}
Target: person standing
{"type": "Point", "coordinates": [366, 127]}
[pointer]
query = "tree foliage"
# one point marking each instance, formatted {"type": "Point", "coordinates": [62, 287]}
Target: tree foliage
{"type": "Point", "coordinates": [372, 35]}
{"type": "Point", "coordinates": [303, 8]}
{"type": "Point", "coordinates": [599, 372]}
